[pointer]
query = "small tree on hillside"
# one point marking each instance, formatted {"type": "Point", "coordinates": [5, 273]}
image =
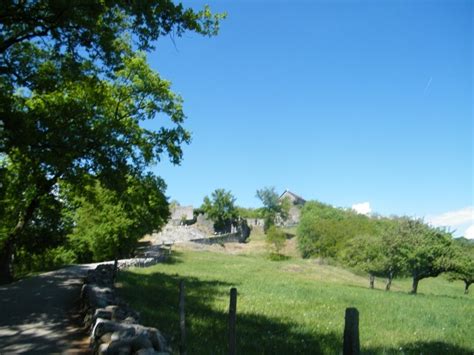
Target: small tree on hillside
{"type": "Point", "coordinates": [273, 208]}
{"type": "Point", "coordinates": [378, 255]}
{"type": "Point", "coordinates": [426, 251]}
{"type": "Point", "coordinates": [220, 208]}
{"type": "Point", "coordinates": [276, 239]}
{"type": "Point", "coordinates": [464, 264]}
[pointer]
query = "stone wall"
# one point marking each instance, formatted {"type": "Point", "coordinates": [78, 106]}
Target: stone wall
{"type": "Point", "coordinates": [181, 214]}
{"type": "Point", "coordinates": [114, 327]}
{"type": "Point", "coordinates": [255, 222]}
{"type": "Point", "coordinates": [221, 239]}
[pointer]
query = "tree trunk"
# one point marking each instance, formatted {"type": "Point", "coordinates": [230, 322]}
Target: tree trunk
{"type": "Point", "coordinates": [6, 262]}
{"type": "Point", "coordinates": [371, 280]}
{"type": "Point", "coordinates": [389, 282]}
{"type": "Point", "coordinates": [466, 287]}
{"type": "Point", "coordinates": [414, 287]}
{"type": "Point", "coordinates": [7, 255]}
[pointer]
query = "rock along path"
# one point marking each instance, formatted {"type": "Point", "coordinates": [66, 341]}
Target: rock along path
{"type": "Point", "coordinates": [37, 314]}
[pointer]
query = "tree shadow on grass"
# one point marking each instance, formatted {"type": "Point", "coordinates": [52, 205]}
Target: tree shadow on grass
{"type": "Point", "coordinates": [173, 257]}
{"type": "Point", "coordinates": [207, 327]}
{"type": "Point", "coordinates": [155, 296]}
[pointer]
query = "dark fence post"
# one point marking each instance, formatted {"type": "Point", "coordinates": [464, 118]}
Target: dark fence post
{"type": "Point", "coordinates": [351, 332]}
{"type": "Point", "coordinates": [232, 319]}
{"type": "Point", "coordinates": [182, 319]}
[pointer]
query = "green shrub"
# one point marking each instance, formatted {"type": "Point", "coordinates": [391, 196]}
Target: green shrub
{"type": "Point", "coordinates": [50, 259]}
{"type": "Point", "coordinates": [276, 239]}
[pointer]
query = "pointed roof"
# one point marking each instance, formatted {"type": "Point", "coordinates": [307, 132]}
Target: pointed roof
{"type": "Point", "coordinates": [294, 197]}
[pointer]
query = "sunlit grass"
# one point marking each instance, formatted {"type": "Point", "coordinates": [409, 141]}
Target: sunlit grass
{"type": "Point", "coordinates": [297, 306]}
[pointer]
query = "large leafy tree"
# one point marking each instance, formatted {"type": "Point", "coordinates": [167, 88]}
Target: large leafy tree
{"type": "Point", "coordinates": [221, 209]}
{"type": "Point", "coordinates": [75, 86]}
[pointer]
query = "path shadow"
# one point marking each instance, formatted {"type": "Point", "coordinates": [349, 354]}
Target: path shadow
{"type": "Point", "coordinates": [40, 314]}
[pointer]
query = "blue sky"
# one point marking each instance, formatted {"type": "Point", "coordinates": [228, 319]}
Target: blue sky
{"type": "Point", "coordinates": [345, 102]}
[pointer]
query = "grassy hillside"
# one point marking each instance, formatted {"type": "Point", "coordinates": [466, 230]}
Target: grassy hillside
{"type": "Point", "coordinates": [296, 306]}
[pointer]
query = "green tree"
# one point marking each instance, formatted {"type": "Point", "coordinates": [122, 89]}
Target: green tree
{"type": "Point", "coordinates": [109, 225]}
{"type": "Point", "coordinates": [273, 209]}
{"type": "Point", "coordinates": [276, 239]}
{"type": "Point", "coordinates": [463, 263]}
{"type": "Point", "coordinates": [75, 87]}
{"type": "Point", "coordinates": [426, 251]}
{"type": "Point", "coordinates": [255, 213]}
{"type": "Point", "coordinates": [378, 255]}
{"type": "Point", "coordinates": [221, 209]}
{"type": "Point", "coordinates": [325, 230]}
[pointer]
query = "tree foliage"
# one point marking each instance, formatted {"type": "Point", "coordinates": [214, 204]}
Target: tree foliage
{"type": "Point", "coordinates": [221, 209]}
{"type": "Point", "coordinates": [108, 225]}
{"type": "Point", "coordinates": [324, 230]}
{"type": "Point", "coordinates": [378, 254]}
{"type": "Point", "coordinates": [275, 239]}
{"type": "Point", "coordinates": [426, 251]}
{"type": "Point", "coordinates": [255, 213]}
{"type": "Point", "coordinates": [273, 209]}
{"type": "Point", "coordinates": [384, 247]}
{"type": "Point", "coordinates": [463, 268]}
{"type": "Point", "coordinates": [75, 87]}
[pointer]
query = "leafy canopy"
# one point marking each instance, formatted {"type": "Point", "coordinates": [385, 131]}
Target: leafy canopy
{"type": "Point", "coordinates": [221, 209]}
{"type": "Point", "coordinates": [274, 210]}
{"type": "Point", "coordinates": [75, 89]}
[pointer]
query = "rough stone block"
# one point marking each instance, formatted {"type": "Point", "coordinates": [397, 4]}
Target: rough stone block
{"type": "Point", "coordinates": [123, 333]}
{"type": "Point", "coordinates": [141, 342]}
{"type": "Point", "coordinates": [102, 313]}
{"type": "Point", "coordinates": [103, 326]}
{"type": "Point", "coordinates": [120, 347]}
{"type": "Point", "coordinates": [103, 348]}
{"type": "Point", "coordinates": [157, 339]}
{"type": "Point", "coordinates": [106, 338]}
{"type": "Point", "coordinates": [148, 351]}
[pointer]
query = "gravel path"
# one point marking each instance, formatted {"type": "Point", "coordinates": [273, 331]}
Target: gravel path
{"type": "Point", "coordinates": [39, 314]}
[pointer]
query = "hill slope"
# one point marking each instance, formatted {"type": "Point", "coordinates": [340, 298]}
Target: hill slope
{"type": "Point", "coordinates": [296, 306]}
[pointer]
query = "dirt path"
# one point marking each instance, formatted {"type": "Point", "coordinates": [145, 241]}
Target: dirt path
{"type": "Point", "coordinates": [37, 314]}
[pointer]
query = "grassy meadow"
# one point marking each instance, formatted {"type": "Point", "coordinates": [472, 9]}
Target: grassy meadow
{"type": "Point", "coordinates": [295, 305]}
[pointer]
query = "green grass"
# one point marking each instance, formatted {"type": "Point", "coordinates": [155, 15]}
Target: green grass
{"type": "Point", "coordinates": [296, 306]}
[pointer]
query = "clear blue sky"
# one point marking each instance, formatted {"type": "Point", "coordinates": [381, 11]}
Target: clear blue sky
{"type": "Point", "coordinates": [339, 101]}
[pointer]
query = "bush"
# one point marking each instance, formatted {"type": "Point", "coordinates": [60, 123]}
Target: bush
{"type": "Point", "coordinates": [275, 239]}
{"type": "Point", "coordinates": [325, 230]}
{"type": "Point", "coordinates": [50, 259]}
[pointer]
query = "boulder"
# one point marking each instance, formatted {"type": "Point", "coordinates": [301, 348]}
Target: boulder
{"type": "Point", "coordinates": [119, 347]}
{"type": "Point", "coordinates": [141, 342]}
{"type": "Point", "coordinates": [123, 333]}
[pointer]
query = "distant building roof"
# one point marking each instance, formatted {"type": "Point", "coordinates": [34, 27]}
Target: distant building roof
{"type": "Point", "coordinates": [293, 197]}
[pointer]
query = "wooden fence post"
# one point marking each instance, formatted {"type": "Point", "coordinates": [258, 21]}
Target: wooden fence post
{"type": "Point", "coordinates": [182, 319]}
{"type": "Point", "coordinates": [351, 332]}
{"type": "Point", "coordinates": [232, 320]}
